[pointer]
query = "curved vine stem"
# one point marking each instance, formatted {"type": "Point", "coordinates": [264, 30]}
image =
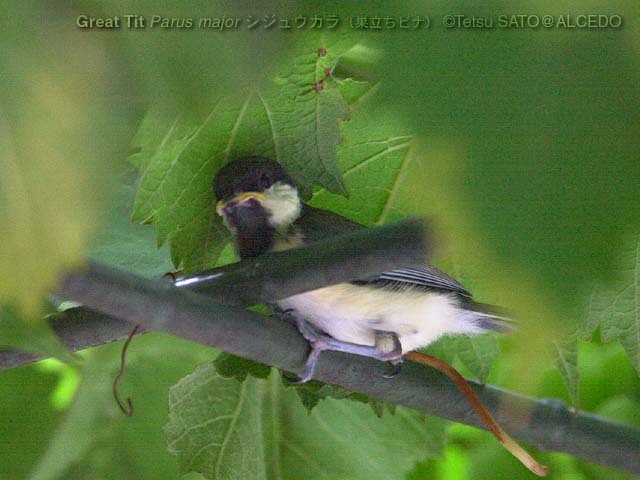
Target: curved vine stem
{"type": "Point", "coordinates": [503, 437]}
{"type": "Point", "coordinates": [128, 410]}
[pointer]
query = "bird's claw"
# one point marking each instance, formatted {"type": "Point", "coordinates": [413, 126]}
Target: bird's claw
{"type": "Point", "coordinates": [396, 368]}
{"type": "Point", "coordinates": [297, 380]}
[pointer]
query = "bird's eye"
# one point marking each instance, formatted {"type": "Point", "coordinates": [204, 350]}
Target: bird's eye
{"type": "Point", "coordinates": [265, 181]}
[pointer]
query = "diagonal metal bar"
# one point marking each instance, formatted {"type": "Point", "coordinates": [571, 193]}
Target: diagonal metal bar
{"type": "Point", "coordinates": [277, 275]}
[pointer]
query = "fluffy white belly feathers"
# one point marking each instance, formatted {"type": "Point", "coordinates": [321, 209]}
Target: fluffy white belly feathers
{"type": "Point", "coordinates": [354, 313]}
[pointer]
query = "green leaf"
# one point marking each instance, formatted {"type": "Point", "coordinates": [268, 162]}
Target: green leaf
{"type": "Point", "coordinates": [304, 106]}
{"type": "Point", "coordinates": [616, 307]}
{"type": "Point", "coordinates": [231, 366]}
{"type": "Point", "coordinates": [86, 420]}
{"type": "Point", "coordinates": [282, 117]}
{"type": "Point", "coordinates": [175, 190]}
{"type": "Point", "coordinates": [259, 429]}
{"type": "Point", "coordinates": [308, 395]}
{"type": "Point", "coordinates": [311, 393]}
{"type": "Point", "coordinates": [565, 352]}
{"type": "Point", "coordinates": [214, 426]}
{"type": "Point", "coordinates": [352, 90]}
{"type": "Point", "coordinates": [346, 440]}
{"type": "Point", "coordinates": [127, 245]}
{"type": "Point", "coordinates": [477, 353]}
{"type": "Point", "coordinates": [373, 157]}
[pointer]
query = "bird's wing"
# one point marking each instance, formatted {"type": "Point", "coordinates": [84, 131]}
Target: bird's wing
{"type": "Point", "coordinates": [424, 276]}
{"type": "Point", "coordinates": [318, 224]}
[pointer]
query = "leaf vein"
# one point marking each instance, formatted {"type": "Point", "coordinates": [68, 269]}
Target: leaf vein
{"type": "Point", "coordinates": [394, 188]}
{"type": "Point", "coordinates": [175, 159]}
{"type": "Point", "coordinates": [235, 415]}
{"type": "Point", "coordinates": [374, 157]}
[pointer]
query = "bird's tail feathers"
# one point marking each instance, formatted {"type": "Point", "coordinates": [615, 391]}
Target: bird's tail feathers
{"type": "Point", "coordinates": [490, 318]}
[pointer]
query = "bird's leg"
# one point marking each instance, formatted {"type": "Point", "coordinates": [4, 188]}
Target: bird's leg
{"type": "Point", "coordinates": [389, 342]}
{"type": "Point", "coordinates": [387, 349]}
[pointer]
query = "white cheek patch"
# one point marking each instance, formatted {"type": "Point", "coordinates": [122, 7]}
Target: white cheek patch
{"type": "Point", "coordinates": [283, 205]}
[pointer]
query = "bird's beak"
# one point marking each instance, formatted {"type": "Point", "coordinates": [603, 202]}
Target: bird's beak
{"type": "Point", "coordinates": [238, 201]}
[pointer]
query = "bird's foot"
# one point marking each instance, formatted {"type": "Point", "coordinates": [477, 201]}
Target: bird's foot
{"type": "Point", "coordinates": [321, 341]}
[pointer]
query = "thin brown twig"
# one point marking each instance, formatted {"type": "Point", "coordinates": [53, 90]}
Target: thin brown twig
{"type": "Point", "coordinates": [127, 411]}
{"type": "Point", "coordinates": [503, 437]}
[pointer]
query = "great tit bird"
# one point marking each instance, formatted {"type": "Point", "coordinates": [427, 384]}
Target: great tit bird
{"type": "Point", "coordinates": [381, 317]}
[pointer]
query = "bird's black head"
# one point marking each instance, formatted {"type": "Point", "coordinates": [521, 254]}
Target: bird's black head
{"type": "Point", "coordinates": [251, 174]}
{"type": "Point", "coordinates": [256, 197]}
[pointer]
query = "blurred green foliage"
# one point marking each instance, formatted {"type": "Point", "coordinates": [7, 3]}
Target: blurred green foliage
{"type": "Point", "coordinates": [523, 144]}
{"type": "Point", "coordinates": [63, 128]}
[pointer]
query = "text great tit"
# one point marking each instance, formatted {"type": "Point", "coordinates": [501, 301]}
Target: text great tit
{"type": "Point", "coordinates": [381, 317]}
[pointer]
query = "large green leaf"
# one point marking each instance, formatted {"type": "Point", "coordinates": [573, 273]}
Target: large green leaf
{"type": "Point", "coordinates": [616, 307]}
{"type": "Point", "coordinates": [214, 425]}
{"type": "Point", "coordinates": [373, 157]}
{"type": "Point", "coordinates": [292, 115]}
{"type": "Point", "coordinates": [125, 244]}
{"type": "Point", "coordinates": [258, 429]}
